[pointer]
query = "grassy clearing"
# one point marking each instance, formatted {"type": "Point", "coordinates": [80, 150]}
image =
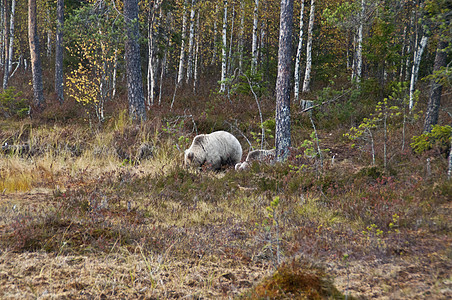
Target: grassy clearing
{"type": "Point", "coordinates": [86, 213]}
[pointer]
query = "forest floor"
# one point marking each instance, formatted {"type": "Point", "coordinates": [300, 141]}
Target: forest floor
{"type": "Point", "coordinates": [420, 269]}
{"type": "Point", "coordinates": [80, 218]}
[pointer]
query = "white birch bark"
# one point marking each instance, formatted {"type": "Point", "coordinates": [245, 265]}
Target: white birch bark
{"type": "Point", "coordinates": [115, 68]}
{"type": "Point", "coordinates": [298, 56]}
{"type": "Point", "coordinates": [11, 36]}
{"type": "Point", "coordinates": [307, 74]}
{"type": "Point", "coordinates": [182, 47]}
{"type": "Point", "coordinates": [215, 32]}
{"type": "Point", "coordinates": [260, 50]}
{"type": "Point", "coordinates": [242, 29]}
{"type": "Point", "coordinates": [191, 42]}
{"type": "Point", "coordinates": [223, 48]}
{"type": "Point", "coordinates": [195, 75]}
{"type": "Point", "coordinates": [359, 50]}
{"type": "Point", "coordinates": [49, 35]}
{"type": "Point", "coordinates": [254, 44]}
{"type": "Point", "coordinates": [3, 34]}
{"type": "Point", "coordinates": [415, 68]}
{"type": "Point", "coordinates": [150, 75]}
{"type": "Point", "coordinates": [229, 68]}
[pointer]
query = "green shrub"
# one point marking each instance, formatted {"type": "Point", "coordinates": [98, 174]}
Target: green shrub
{"type": "Point", "coordinates": [438, 138]}
{"type": "Point", "coordinates": [11, 105]}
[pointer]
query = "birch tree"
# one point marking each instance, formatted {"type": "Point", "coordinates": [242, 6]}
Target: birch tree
{"type": "Point", "coordinates": [298, 56]}
{"type": "Point", "coordinates": [282, 134]}
{"type": "Point", "coordinates": [191, 42]}
{"type": "Point", "coordinates": [415, 69]}
{"type": "Point", "coordinates": [240, 39]}
{"type": "Point", "coordinates": [307, 74]}
{"type": "Point", "coordinates": [254, 43]}
{"type": "Point", "coordinates": [197, 38]}
{"type": "Point", "coordinates": [59, 85]}
{"type": "Point", "coordinates": [33, 40]}
{"type": "Point", "coordinates": [135, 94]}
{"type": "Point", "coordinates": [359, 49]}
{"type": "Point", "coordinates": [151, 49]}
{"type": "Point", "coordinates": [215, 33]}
{"type": "Point", "coordinates": [9, 56]}
{"type": "Point", "coordinates": [182, 47]}
{"type": "Point", "coordinates": [223, 48]}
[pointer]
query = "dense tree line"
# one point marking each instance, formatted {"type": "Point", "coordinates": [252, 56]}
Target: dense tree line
{"type": "Point", "coordinates": [184, 41]}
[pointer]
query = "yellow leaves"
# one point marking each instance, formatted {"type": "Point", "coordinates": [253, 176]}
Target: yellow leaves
{"type": "Point", "coordinates": [84, 89]}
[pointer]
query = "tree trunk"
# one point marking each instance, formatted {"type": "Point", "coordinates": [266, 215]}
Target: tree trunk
{"type": "Point", "coordinates": [182, 47]}
{"type": "Point", "coordinates": [415, 69]}
{"type": "Point", "coordinates": [33, 39]}
{"type": "Point", "coordinates": [282, 135]}
{"type": "Point", "coordinates": [436, 88]}
{"type": "Point", "coordinates": [359, 49]}
{"type": "Point", "coordinates": [3, 32]}
{"type": "Point", "coordinates": [254, 44]}
{"type": "Point", "coordinates": [196, 75]}
{"type": "Point", "coordinates": [11, 36]}
{"type": "Point", "coordinates": [298, 57]}
{"type": "Point", "coordinates": [6, 67]}
{"type": "Point", "coordinates": [242, 29]}
{"type": "Point", "coordinates": [59, 85]}
{"type": "Point", "coordinates": [151, 61]}
{"type": "Point", "coordinates": [223, 48]}
{"type": "Point", "coordinates": [215, 32]}
{"type": "Point", "coordinates": [307, 74]}
{"type": "Point", "coordinates": [191, 42]}
{"type": "Point", "coordinates": [230, 62]}
{"type": "Point", "coordinates": [49, 35]}
{"type": "Point", "coordinates": [135, 94]}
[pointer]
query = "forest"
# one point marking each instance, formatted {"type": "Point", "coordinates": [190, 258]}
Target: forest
{"type": "Point", "coordinates": [101, 98]}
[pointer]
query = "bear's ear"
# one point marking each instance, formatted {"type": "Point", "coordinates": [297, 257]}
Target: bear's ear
{"type": "Point", "coordinates": [190, 155]}
{"type": "Point", "coordinates": [198, 139]}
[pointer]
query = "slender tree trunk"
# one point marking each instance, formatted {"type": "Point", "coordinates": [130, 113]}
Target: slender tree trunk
{"type": "Point", "coordinates": [298, 57]}
{"type": "Point", "coordinates": [49, 35]}
{"type": "Point", "coordinates": [254, 44]}
{"type": "Point", "coordinates": [3, 32]}
{"type": "Point", "coordinates": [191, 42]}
{"type": "Point", "coordinates": [230, 62]}
{"type": "Point", "coordinates": [307, 74]}
{"type": "Point", "coordinates": [242, 29]}
{"type": "Point", "coordinates": [33, 39]}
{"type": "Point", "coordinates": [5, 42]}
{"type": "Point", "coordinates": [115, 70]}
{"type": "Point", "coordinates": [215, 33]}
{"type": "Point", "coordinates": [260, 48]}
{"type": "Point", "coordinates": [223, 48]}
{"type": "Point", "coordinates": [436, 88]}
{"type": "Point", "coordinates": [137, 110]}
{"type": "Point", "coordinates": [415, 69]}
{"type": "Point", "coordinates": [11, 36]}
{"type": "Point", "coordinates": [151, 61]}
{"type": "Point", "coordinates": [182, 47]}
{"type": "Point", "coordinates": [282, 135]}
{"type": "Point", "coordinates": [59, 85]}
{"type": "Point", "coordinates": [359, 49]}
{"type": "Point", "coordinates": [196, 75]}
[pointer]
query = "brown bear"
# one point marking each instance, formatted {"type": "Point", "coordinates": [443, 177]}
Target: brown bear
{"type": "Point", "coordinates": [214, 150]}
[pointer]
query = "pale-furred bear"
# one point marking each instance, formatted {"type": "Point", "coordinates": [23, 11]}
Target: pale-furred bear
{"type": "Point", "coordinates": [214, 150]}
{"type": "Point", "coordinates": [257, 155]}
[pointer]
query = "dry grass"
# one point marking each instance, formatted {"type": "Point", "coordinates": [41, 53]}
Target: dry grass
{"type": "Point", "coordinates": [81, 217]}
